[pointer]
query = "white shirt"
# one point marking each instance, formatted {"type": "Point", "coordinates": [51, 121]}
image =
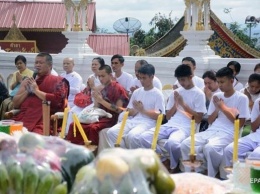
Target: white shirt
{"type": "Point", "coordinates": [156, 83]}
{"type": "Point", "coordinates": [75, 81]}
{"type": "Point", "coordinates": [255, 113]}
{"type": "Point", "coordinates": [237, 85]}
{"type": "Point", "coordinates": [96, 80]}
{"type": "Point", "coordinates": [151, 100]}
{"type": "Point", "coordinates": [194, 98]}
{"type": "Point", "coordinates": [53, 72]}
{"type": "Point", "coordinates": [125, 80]}
{"type": "Point", "coordinates": [238, 102]}
{"type": "Point", "coordinates": [197, 81]}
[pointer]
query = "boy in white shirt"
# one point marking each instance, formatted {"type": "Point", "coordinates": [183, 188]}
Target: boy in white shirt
{"type": "Point", "coordinates": [185, 100]}
{"type": "Point", "coordinates": [249, 143]}
{"type": "Point", "coordinates": [197, 81]}
{"type": "Point", "coordinates": [210, 144]}
{"type": "Point", "coordinates": [145, 104]}
{"type": "Point", "coordinates": [235, 66]}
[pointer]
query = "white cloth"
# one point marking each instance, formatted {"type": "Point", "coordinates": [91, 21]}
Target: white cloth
{"type": "Point", "coordinates": [151, 100]}
{"type": "Point", "coordinates": [178, 127]}
{"type": "Point", "coordinates": [53, 72]}
{"type": "Point", "coordinates": [238, 102]}
{"type": "Point", "coordinates": [237, 85]}
{"type": "Point", "coordinates": [156, 83]}
{"type": "Point", "coordinates": [125, 80]}
{"type": "Point", "coordinates": [75, 81]}
{"type": "Point", "coordinates": [77, 109]}
{"type": "Point", "coordinates": [210, 144]}
{"type": "Point", "coordinates": [197, 81]}
{"type": "Point", "coordinates": [194, 98]}
{"type": "Point", "coordinates": [96, 79]}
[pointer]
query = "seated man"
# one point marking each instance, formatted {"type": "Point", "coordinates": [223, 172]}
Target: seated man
{"type": "Point", "coordinates": [33, 92]}
{"type": "Point", "coordinates": [249, 143]}
{"type": "Point", "coordinates": [122, 77]}
{"type": "Point", "coordinates": [223, 109]}
{"type": "Point", "coordinates": [136, 83]}
{"type": "Point", "coordinates": [146, 103]}
{"type": "Point", "coordinates": [73, 77]}
{"type": "Point", "coordinates": [111, 99]}
{"type": "Point", "coordinates": [180, 104]}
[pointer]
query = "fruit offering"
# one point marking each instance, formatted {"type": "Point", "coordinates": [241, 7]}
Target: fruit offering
{"type": "Point", "coordinates": [39, 164]}
{"type": "Point", "coordinates": [21, 174]}
{"type": "Point", "coordinates": [124, 172]}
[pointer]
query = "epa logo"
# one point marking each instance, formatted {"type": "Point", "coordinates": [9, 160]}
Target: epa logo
{"type": "Point", "coordinates": [254, 180]}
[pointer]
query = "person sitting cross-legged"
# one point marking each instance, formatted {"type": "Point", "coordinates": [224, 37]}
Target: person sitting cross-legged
{"type": "Point", "coordinates": [248, 146]}
{"type": "Point", "coordinates": [180, 104]}
{"type": "Point", "coordinates": [145, 104]}
{"type": "Point", "coordinates": [223, 109]}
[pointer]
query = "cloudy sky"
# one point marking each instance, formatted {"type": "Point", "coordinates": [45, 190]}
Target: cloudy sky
{"type": "Point", "coordinates": [108, 11]}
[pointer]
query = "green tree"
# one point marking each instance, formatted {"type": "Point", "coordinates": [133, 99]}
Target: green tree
{"type": "Point", "coordinates": [242, 34]}
{"type": "Point", "coordinates": [160, 26]}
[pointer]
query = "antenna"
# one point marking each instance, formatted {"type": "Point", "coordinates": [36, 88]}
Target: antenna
{"type": "Point", "coordinates": [127, 25]}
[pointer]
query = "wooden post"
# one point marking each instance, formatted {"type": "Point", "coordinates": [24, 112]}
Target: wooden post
{"type": "Point", "coordinates": [46, 117]}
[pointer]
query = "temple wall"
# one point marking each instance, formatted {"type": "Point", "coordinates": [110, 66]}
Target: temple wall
{"type": "Point", "coordinates": [165, 66]}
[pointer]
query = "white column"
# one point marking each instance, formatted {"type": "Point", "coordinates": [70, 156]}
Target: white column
{"type": "Point", "coordinates": [77, 43]}
{"type": "Point", "coordinates": [197, 44]}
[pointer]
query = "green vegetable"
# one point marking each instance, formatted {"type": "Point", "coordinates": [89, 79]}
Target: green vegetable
{"type": "Point", "coordinates": [4, 179]}
{"type": "Point", "coordinates": [31, 178]}
{"type": "Point", "coordinates": [45, 184]}
{"type": "Point", "coordinates": [72, 161]}
{"type": "Point", "coordinates": [16, 178]}
{"type": "Point", "coordinates": [60, 189]}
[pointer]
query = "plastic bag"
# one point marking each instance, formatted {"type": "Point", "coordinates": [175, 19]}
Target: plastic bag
{"type": "Point", "coordinates": [124, 172]}
{"type": "Point", "coordinates": [50, 154]}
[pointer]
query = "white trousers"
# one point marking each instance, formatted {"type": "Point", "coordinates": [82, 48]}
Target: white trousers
{"type": "Point", "coordinates": [132, 132]}
{"type": "Point", "coordinates": [174, 138]}
{"type": "Point", "coordinates": [209, 147]}
{"type": "Point", "coordinates": [248, 147]}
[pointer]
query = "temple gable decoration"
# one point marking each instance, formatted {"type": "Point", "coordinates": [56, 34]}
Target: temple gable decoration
{"type": "Point", "coordinates": [15, 41]}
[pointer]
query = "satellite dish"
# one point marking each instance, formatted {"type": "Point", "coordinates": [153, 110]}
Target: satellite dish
{"type": "Point", "coordinates": [127, 25]}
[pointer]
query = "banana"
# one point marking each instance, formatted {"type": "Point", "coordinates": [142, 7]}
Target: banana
{"type": "Point", "coordinates": [4, 179]}
{"type": "Point", "coordinates": [16, 178]}
{"type": "Point", "coordinates": [30, 182]}
{"type": "Point", "coordinates": [60, 189]}
{"type": "Point", "coordinates": [45, 184]}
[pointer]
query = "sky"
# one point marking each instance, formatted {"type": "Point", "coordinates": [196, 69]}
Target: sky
{"type": "Point", "coordinates": [109, 11]}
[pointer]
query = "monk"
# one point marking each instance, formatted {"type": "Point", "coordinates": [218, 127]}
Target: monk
{"type": "Point", "coordinates": [111, 98]}
{"type": "Point", "coordinates": [33, 91]}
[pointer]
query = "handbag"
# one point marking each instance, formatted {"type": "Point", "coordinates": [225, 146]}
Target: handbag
{"type": "Point", "coordinates": [83, 98]}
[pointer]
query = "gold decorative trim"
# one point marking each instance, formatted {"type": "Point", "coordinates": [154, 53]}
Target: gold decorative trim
{"type": "Point", "coordinates": [174, 45]}
{"type": "Point", "coordinates": [239, 42]}
{"type": "Point", "coordinates": [14, 33]}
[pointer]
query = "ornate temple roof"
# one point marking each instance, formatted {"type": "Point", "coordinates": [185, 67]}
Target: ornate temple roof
{"type": "Point", "coordinates": [223, 42]}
